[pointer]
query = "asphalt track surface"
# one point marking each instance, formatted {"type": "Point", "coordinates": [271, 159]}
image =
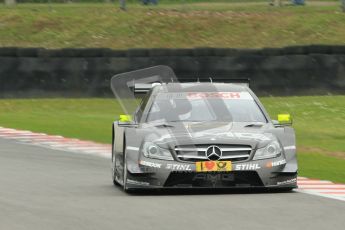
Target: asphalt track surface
{"type": "Point", "coordinates": [49, 189]}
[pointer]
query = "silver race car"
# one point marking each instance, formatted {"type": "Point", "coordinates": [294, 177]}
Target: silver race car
{"type": "Point", "coordinates": [197, 135]}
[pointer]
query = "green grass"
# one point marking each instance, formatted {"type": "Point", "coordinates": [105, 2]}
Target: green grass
{"type": "Point", "coordinates": [319, 122]}
{"type": "Point", "coordinates": [321, 167]}
{"type": "Point", "coordinates": [177, 25]}
{"type": "Point", "coordinates": [89, 119]}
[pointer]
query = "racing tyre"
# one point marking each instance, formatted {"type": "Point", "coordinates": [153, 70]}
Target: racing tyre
{"type": "Point", "coordinates": [124, 173]}
{"type": "Point", "coordinates": [114, 171]}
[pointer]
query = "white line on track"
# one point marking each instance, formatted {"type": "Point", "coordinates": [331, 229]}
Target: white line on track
{"type": "Point", "coordinates": [312, 182]}
{"type": "Point", "coordinates": [326, 186]}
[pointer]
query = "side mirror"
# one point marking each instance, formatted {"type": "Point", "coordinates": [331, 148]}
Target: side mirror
{"type": "Point", "coordinates": [284, 120]}
{"type": "Point", "coordinates": [125, 120]}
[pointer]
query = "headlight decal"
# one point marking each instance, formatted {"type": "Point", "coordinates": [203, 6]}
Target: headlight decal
{"type": "Point", "coordinates": [150, 164]}
{"type": "Point", "coordinates": [275, 163]}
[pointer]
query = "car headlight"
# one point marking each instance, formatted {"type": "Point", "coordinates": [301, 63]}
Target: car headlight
{"type": "Point", "coordinates": [151, 150]}
{"type": "Point", "coordinates": [273, 149]}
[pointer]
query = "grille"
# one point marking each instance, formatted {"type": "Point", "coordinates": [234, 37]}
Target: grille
{"type": "Point", "coordinates": [193, 153]}
{"type": "Point", "coordinates": [228, 180]}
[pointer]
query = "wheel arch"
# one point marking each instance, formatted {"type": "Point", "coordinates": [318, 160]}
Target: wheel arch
{"type": "Point", "coordinates": [118, 138]}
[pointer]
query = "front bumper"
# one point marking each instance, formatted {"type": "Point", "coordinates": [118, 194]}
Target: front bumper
{"type": "Point", "coordinates": [152, 173]}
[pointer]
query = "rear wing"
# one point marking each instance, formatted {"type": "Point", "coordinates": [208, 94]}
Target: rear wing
{"type": "Point", "coordinates": [139, 88]}
{"type": "Point", "coordinates": [237, 81]}
{"type": "Point", "coordinates": [143, 87]}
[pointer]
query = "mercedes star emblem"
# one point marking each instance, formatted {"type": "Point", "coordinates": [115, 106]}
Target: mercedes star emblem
{"type": "Point", "coordinates": [213, 153]}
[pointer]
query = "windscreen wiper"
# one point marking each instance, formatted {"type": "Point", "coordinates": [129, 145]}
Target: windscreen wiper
{"type": "Point", "coordinates": [162, 124]}
{"type": "Point", "coordinates": [256, 124]}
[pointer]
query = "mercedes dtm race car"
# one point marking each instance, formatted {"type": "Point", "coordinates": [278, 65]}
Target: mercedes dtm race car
{"type": "Point", "coordinates": [197, 135]}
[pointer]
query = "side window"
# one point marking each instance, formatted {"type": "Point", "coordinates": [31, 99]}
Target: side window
{"type": "Point", "coordinates": [142, 106]}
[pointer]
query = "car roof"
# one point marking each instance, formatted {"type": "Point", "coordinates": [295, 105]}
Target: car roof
{"type": "Point", "coordinates": [201, 87]}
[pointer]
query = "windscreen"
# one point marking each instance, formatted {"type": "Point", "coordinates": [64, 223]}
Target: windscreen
{"type": "Point", "coordinates": [197, 107]}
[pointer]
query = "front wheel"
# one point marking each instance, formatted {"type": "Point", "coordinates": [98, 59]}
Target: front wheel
{"type": "Point", "coordinates": [117, 180]}
{"type": "Point", "coordinates": [124, 173]}
{"type": "Point", "coordinates": [115, 175]}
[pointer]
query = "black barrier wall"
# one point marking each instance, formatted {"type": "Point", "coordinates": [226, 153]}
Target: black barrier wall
{"type": "Point", "coordinates": [35, 72]}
